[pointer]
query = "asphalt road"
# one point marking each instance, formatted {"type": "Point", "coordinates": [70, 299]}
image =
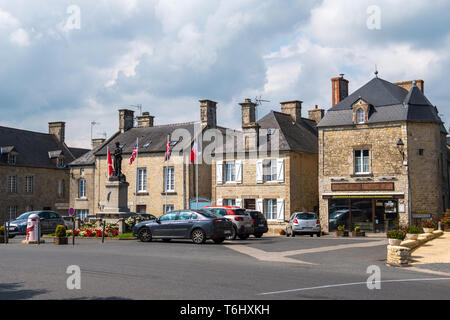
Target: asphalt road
{"type": "Point", "coordinates": [267, 268]}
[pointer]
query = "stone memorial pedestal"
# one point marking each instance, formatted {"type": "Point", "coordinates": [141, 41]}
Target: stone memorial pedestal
{"type": "Point", "coordinates": [116, 206]}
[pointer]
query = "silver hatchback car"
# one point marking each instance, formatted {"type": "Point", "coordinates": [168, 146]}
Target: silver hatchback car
{"type": "Point", "coordinates": [303, 223]}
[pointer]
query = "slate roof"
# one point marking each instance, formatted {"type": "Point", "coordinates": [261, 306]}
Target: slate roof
{"type": "Point", "coordinates": [33, 148]}
{"type": "Point", "coordinates": [151, 139]}
{"type": "Point", "coordinates": [388, 101]}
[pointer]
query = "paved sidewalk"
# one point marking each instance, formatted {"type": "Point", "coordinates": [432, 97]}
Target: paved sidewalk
{"type": "Point", "coordinates": [433, 257]}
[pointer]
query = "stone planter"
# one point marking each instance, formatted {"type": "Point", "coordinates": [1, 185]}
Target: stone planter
{"type": "Point", "coordinates": [428, 230]}
{"type": "Point", "coordinates": [412, 236]}
{"type": "Point", "coordinates": [358, 233]}
{"type": "Point", "coordinates": [60, 241]}
{"type": "Point", "coordinates": [394, 242]}
{"type": "Point", "coordinates": [342, 233]}
{"type": "Point", "coordinates": [447, 227]}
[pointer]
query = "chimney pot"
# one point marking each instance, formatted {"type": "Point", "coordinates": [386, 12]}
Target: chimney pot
{"type": "Point", "coordinates": [58, 129]}
{"type": "Point", "coordinates": [316, 114]}
{"type": "Point", "coordinates": [145, 121]}
{"type": "Point", "coordinates": [293, 108]}
{"type": "Point", "coordinates": [339, 88]}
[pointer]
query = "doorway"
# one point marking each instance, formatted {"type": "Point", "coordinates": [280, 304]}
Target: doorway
{"type": "Point", "coordinates": [250, 204]}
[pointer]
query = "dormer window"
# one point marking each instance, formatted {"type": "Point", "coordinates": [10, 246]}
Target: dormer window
{"type": "Point", "coordinates": [360, 116]}
{"type": "Point", "coordinates": [60, 162]}
{"type": "Point", "coordinates": [12, 159]}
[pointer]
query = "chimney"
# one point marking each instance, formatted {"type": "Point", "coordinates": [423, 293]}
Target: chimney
{"type": "Point", "coordinates": [208, 113]}
{"type": "Point", "coordinates": [248, 113]}
{"type": "Point", "coordinates": [126, 120]}
{"type": "Point", "coordinates": [97, 142]}
{"type": "Point", "coordinates": [316, 114]}
{"type": "Point", "coordinates": [293, 108]}
{"type": "Point", "coordinates": [145, 121]}
{"type": "Point", "coordinates": [58, 129]}
{"type": "Point", "coordinates": [339, 87]}
{"type": "Point", "coordinates": [407, 85]}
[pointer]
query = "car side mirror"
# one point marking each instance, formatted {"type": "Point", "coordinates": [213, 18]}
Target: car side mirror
{"type": "Point", "coordinates": [287, 221]}
{"type": "Point", "coordinates": [158, 221]}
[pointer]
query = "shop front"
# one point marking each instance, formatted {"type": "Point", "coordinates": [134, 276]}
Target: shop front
{"type": "Point", "coordinates": [372, 213]}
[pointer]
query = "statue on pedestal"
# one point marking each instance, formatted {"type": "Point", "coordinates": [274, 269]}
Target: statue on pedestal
{"type": "Point", "coordinates": [118, 163]}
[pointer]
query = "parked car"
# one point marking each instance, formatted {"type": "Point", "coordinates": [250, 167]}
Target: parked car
{"type": "Point", "coordinates": [242, 222]}
{"type": "Point", "coordinates": [49, 221]}
{"type": "Point", "coordinates": [68, 222]}
{"type": "Point", "coordinates": [259, 223]}
{"type": "Point", "coordinates": [198, 225]}
{"type": "Point", "coordinates": [303, 223]}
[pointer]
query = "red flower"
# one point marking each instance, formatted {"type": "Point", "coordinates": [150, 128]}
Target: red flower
{"type": "Point", "coordinates": [77, 232]}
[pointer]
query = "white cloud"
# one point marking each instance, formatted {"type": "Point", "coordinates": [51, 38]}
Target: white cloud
{"type": "Point", "coordinates": [20, 37]}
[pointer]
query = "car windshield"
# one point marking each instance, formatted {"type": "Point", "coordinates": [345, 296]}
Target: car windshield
{"type": "Point", "coordinates": [306, 216]}
{"type": "Point", "coordinates": [24, 215]}
{"type": "Point", "coordinates": [337, 214]}
{"type": "Point", "coordinates": [209, 214]}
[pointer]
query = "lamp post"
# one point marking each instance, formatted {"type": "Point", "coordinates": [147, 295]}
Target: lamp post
{"type": "Point", "coordinates": [401, 149]}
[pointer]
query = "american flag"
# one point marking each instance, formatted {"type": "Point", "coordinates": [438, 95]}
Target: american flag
{"type": "Point", "coordinates": [168, 150]}
{"type": "Point", "coordinates": [135, 152]}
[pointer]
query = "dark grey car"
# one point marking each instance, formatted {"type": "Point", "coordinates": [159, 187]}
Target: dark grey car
{"type": "Point", "coordinates": [49, 221]}
{"type": "Point", "coordinates": [198, 225]}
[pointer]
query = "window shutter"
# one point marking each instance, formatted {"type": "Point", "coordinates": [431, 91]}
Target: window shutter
{"type": "Point", "coordinates": [259, 171]}
{"type": "Point", "coordinates": [239, 203]}
{"type": "Point", "coordinates": [280, 210]}
{"type": "Point", "coordinates": [280, 170]}
{"type": "Point", "coordinates": [259, 205]}
{"type": "Point", "coordinates": [220, 202]}
{"type": "Point", "coordinates": [219, 172]}
{"type": "Point", "coordinates": [238, 168]}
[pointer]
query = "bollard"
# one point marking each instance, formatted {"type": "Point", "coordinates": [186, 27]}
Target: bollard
{"type": "Point", "coordinates": [5, 235]}
{"type": "Point", "coordinates": [103, 233]}
{"type": "Point", "coordinates": [73, 231]}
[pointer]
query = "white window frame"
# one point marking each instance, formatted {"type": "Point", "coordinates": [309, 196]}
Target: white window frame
{"type": "Point", "coordinates": [169, 179]}
{"type": "Point", "coordinates": [82, 188]}
{"type": "Point", "coordinates": [361, 161]}
{"type": "Point", "coordinates": [219, 172]}
{"type": "Point", "coordinates": [360, 113]}
{"type": "Point", "coordinates": [230, 172]}
{"type": "Point", "coordinates": [12, 184]}
{"type": "Point", "coordinates": [270, 209]}
{"type": "Point", "coordinates": [229, 202]}
{"type": "Point", "coordinates": [168, 206]}
{"type": "Point", "coordinates": [270, 165]}
{"type": "Point", "coordinates": [29, 184]}
{"type": "Point", "coordinates": [142, 180]}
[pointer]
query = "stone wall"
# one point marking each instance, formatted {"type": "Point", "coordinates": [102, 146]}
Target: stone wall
{"type": "Point", "coordinates": [88, 203]}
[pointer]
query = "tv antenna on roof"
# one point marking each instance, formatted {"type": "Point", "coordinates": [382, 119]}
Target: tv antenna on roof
{"type": "Point", "coordinates": [139, 107]}
{"type": "Point", "coordinates": [259, 101]}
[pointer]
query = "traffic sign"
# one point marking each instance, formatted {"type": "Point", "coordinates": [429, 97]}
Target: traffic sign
{"type": "Point", "coordinates": [71, 212]}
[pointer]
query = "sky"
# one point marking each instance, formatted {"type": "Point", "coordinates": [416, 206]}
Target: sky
{"type": "Point", "coordinates": [82, 61]}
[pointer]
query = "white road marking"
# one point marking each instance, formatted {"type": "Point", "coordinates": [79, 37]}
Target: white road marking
{"type": "Point", "coordinates": [440, 273]}
{"type": "Point", "coordinates": [352, 284]}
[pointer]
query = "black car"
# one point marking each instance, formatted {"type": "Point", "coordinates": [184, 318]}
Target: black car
{"type": "Point", "coordinates": [198, 225]}
{"type": "Point", "coordinates": [259, 223]}
{"type": "Point", "coordinates": [49, 221]}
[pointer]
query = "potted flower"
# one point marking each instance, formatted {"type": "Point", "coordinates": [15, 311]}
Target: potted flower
{"type": "Point", "coordinates": [341, 232]}
{"type": "Point", "coordinates": [412, 232]}
{"type": "Point", "coordinates": [60, 235]}
{"type": "Point", "coordinates": [358, 233]}
{"type": "Point", "coordinates": [396, 237]}
{"type": "Point", "coordinates": [2, 234]}
{"type": "Point", "coordinates": [428, 226]}
{"type": "Point", "coordinates": [445, 222]}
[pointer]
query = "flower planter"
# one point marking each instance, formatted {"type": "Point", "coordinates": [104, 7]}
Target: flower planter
{"type": "Point", "coordinates": [394, 242]}
{"type": "Point", "coordinates": [447, 227]}
{"type": "Point", "coordinates": [60, 241]}
{"type": "Point", "coordinates": [342, 233]}
{"type": "Point", "coordinates": [358, 233]}
{"type": "Point", "coordinates": [412, 236]}
{"type": "Point", "coordinates": [428, 230]}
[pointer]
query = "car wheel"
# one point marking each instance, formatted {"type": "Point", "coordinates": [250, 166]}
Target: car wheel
{"type": "Point", "coordinates": [244, 236]}
{"type": "Point", "coordinates": [233, 234]}
{"type": "Point", "coordinates": [311, 235]}
{"type": "Point", "coordinates": [145, 235]}
{"type": "Point", "coordinates": [219, 240]}
{"type": "Point", "coordinates": [318, 235]}
{"type": "Point", "coordinates": [198, 236]}
{"type": "Point", "coordinates": [258, 235]}
{"type": "Point", "coordinates": [292, 233]}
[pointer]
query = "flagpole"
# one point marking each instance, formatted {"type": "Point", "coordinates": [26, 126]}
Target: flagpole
{"type": "Point", "coordinates": [196, 177]}
{"type": "Point", "coordinates": [137, 176]}
{"type": "Point", "coordinates": [166, 173]}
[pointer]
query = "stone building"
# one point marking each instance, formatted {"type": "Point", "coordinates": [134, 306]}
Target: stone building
{"type": "Point", "coordinates": [382, 157]}
{"type": "Point", "coordinates": [33, 170]}
{"type": "Point", "coordinates": [273, 167]}
{"type": "Point", "coordinates": [155, 186]}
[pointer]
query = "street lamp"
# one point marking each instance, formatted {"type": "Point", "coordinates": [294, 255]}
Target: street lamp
{"type": "Point", "coordinates": [401, 149]}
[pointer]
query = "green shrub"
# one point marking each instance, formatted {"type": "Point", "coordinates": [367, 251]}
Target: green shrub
{"type": "Point", "coordinates": [60, 231]}
{"type": "Point", "coordinates": [396, 234]}
{"type": "Point", "coordinates": [412, 229]}
{"type": "Point", "coordinates": [357, 229]}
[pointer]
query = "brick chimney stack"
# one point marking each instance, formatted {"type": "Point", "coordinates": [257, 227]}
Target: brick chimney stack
{"type": "Point", "coordinates": [407, 85]}
{"type": "Point", "coordinates": [339, 87]}
{"type": "Point", "coordinates": [145, 121]}
{"type": "Point", "coordinates": [248, 113]}
{"type": "Point", "coordinates": [97, 142]}
{"type": "Point", "coordinates": [58, 129]}
{"type": "Point", "coordinates": [316, 114]}
{"type": "Point", "coordinates": [293, 108]}
{"type": "Point", "coordinates": [208, 113]}
{"type": "Point", "coordinates": [250, 128]}
{"type": "Point", "coordinates": [126, 120]}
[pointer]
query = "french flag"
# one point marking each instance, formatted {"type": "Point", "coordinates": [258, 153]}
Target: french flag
{"type": "Point", "coordinates": [135, 152]}
{"type": "Point", "coordinates": [196, 151]}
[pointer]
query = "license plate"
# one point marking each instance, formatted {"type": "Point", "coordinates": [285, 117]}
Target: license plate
{"type": "Point", "coordinates": [307, 228]}
{"type": "Point", "coordinates": [261, 225]}
{"type": "Point", "coordinates": [11, 229]}
{"type": "Point", "coordinates": [227, 232]}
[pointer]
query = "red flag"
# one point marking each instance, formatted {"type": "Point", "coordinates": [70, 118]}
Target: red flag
{"type": "Point", "coordinates": [196, 151]}
{"type": "Point", "coordinates": [110, 166]}
{"type": "Point", "coordinates": [135, 151]}
{"type": "Point", "coordinates": [168, 150]}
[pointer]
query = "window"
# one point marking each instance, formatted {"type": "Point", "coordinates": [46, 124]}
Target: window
{"type": "Point", "coordinates": [169, 179]}
{"type": "Point", "coordinates": [362, 162]}
{"type": "Point", "coordinates": [12, 159]}
{"type": "Point", "coordinates": [420, 152]}
{"type": "Point", "coordinates": [230, 172]}
{"type": "Point", "coordinates": [82, 188]}
{"type": "Point", "coordinates": [29, 184]}
{"type": "Point", "coordinates": [60, 162]}
{"type": "Point", "coordinates": [270, 170]}
{"type": "Point", "coordinates": [229, 202]}
{"type": "Point", "coordinates": [168, 208]}
{"type": "Point", "coordinates": [270, 209]}
{"type": "Point", "coordinates": [360, 116]}
{"type": "Point", "coordinates": [82, 214]}
{"type": "Point", "coordinates": [142, 180]}
{"type": "Point", "coordinates": [169, 216]}
{"type": "Point", "coordinates": [61, 188]}
{"type": "Point", "coordinates": [12, 212]}
{"type": "Point", "coordinates": [12, 184]}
